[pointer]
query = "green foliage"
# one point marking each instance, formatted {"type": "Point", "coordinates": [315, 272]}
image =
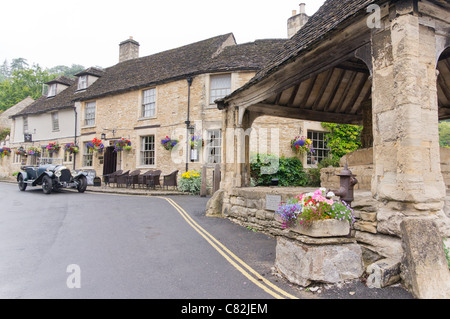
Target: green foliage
{"type": "Point", "coordinates": [343, 138]}
{"type": "Point", "coordinates": [190, 182]}
{"type": "Point", "coordinates": [314, 173]}
{"type": "Point", "coordinates": [4, 133]}
{"type": "Point", "coordinates": [23, 82]}
{"type": "Point", "coordinates": [66, 71]}
{"type": "Point", "coordinates": [444, 134]}
{"type": "Point", "coordinates": [289, 171]}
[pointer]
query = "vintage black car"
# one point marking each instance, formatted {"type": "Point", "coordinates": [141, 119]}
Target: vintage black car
{"type": "Point", "coordinates": [51, 177]}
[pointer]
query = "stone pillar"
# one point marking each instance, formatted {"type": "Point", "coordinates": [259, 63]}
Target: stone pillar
{"type": "Point", "coordinates": [407, 177]}
{"type": "Point", "coordinates": [367, 132]}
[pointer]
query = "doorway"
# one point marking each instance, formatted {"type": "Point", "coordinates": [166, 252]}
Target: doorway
{"type": "Point", "coordinates": [110, 161]}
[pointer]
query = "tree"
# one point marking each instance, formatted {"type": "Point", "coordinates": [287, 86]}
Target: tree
{"type": "Point", "coordinates": [67, 71]}
{"type": "Point", "coordinates": [343, 138]}
{"type": "Point", "coordinates": [4, 71]}
{"type": "Point", "coordinates": [23, 83]}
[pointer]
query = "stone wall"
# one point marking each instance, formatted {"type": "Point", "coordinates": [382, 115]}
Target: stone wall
{"type": "Point", "coordinates": [360, 162]}
{"type": "Point", "coordinates": [248, 207]}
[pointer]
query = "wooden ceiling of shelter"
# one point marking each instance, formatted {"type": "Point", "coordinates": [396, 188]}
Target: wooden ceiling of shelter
{"type": "Point", "coordinates": [443, 85]}
{"type": "Point", "coordinates": [335, 95]}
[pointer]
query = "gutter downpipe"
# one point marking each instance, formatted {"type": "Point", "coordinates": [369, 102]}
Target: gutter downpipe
{"type": "Point", "coordinates": [188, 122]}
{"type": "Point", "coordinates": [75, 135]}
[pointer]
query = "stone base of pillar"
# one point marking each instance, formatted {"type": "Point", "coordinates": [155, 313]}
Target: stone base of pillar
{"type": "Point", "coordinates": [303, 264]}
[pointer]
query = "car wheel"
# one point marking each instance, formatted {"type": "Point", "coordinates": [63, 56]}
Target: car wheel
{"type": "Point", "coordinates": [47, 185]}
{"type": "Point", "coordinates": [22, 184]}
{"type": "Point", "coordinates": [82, 184]}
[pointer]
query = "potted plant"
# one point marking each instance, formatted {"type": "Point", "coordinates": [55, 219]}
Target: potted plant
{"type": "Point", "coordinates": [21, 151]}
{"type": "Point", "coordinates": [53, 147]}
{"type": "Point", "coordinates": [316, 214]}
{"type": "Point", "coordinates": [302, 145]}
{"type": "Point", "coordinates": [5, 151]}
{"type": "Point", "coordinates": [71, 148]}
{"type": "Point", "coordinates": [168, 143]}
{"type": "Point", "coordinates": [34, 151]}
{"type": "Point", "coordinates": [190, 182]}
{"type": "Point", "coordinates": [96, 145]}
{"type": "Point", "coordinates": [122, 144]}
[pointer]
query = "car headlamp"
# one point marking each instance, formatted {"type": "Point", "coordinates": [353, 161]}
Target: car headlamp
{"type": "Point", "coordinates": [73, 172]}
{"type": "Point", "coordinates": [58, 173]}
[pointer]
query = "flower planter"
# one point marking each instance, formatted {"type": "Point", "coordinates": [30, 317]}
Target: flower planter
{"type": "Point", "coordinates": [324, 228]}
{"type": "Point", "coordinates": [321, 228]}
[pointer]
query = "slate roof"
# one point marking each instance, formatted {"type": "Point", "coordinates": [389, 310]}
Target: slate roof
{"type": "Point", "coordinates": [206, 56]}
{"type": "Point", "coordinates": [331, 15]}
{"type": "Point", "coordinates": [63, 80]}
{"type": "Point", "coordinates": [198, 58]}
{"type": "Point", "coordinates": [62, 100]}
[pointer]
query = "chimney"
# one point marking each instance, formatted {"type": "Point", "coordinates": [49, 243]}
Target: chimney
{"type": "Point", "coordinates": [297, 21]}
{"type": "Point", "coordinates": [128, 50]}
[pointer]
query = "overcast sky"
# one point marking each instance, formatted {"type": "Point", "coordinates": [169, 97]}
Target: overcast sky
{"type": "Point", "coordinates": [88, 32]}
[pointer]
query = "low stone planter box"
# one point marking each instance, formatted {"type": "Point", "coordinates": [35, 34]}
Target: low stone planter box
{"type": "Point", "coordinates": [321, 228]}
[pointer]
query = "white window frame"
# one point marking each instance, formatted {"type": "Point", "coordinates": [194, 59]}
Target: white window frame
{"type": "Point", "coordinates": [321, 148]}
{"type": "Point", "coordinates": [25, 124]}
{"type": "Point", "coordinates": [82, 82]}
{"type": "Point", "coordinates": [148, 151]}
{"type": "Point", "coordinates": [51, 90]}
{"type": "Point", "coordinates": [88, 156]}
{"type": "Point", "coordinates": [219, 86]}
{"type": "Point", "coordinates": [214, 147]}
{"type": "Point", "coordinates": [55, 121]}
{"type": "Point", "coordinates": [68, 157]}
{"type": "Point", "coordinates": [89, 113]}
{"type": "Point", "coordinates": [148, 103]}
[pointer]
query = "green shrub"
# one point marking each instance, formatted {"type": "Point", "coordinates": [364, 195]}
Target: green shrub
{"type": "Point", "coordinates": [190, 182]}
{"type": "Point", "coordinates": [447, 254]}
{"type": "Point", "coordinates": [289, 171]}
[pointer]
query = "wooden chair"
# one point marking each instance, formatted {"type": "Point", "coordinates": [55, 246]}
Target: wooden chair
{"type": "Point", "coordinates": [171, 179]}
{"type": "Point", "coordinates": [142, 179]}
{"type": "Point", "coordinates": [122, 179]}
{"type": "Point", "coordinates": [133, 178]}
{"type": "Point", "coordinates": [153, 179]}
{"type": "Point", "coordinates": [111, 178]}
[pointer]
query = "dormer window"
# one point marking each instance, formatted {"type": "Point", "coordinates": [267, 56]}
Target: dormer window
{"type": "Point", "coordinates": [51, 90]}
{"type": "Point", "coordinates": [82, 82]}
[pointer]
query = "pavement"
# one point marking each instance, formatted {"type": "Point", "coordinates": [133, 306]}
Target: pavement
{"type": "Point", "coordinates": [259, 249]}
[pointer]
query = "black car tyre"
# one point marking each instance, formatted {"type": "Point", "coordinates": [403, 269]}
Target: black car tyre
{"type": "Point", "coordinates": [47, 185]}
{"type": "Point", "coordinates": [22, 184]}
{"type": "Point", "coordinates": [82, 184]}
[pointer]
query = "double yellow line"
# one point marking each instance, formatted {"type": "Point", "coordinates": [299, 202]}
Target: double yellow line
{"type": "Point", "coordinates": [235, 261]}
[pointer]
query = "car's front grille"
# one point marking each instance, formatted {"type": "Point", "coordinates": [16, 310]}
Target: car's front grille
{"type": "Point", "coordinates": [65, 176]}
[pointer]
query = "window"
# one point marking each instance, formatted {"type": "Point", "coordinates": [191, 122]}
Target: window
{"type": "Point", "coordinates": [149, 103]}
{"type": "Point", "coordinates": [89, 118]}
{"type": "Point", "coordinates": [88, 155]}
{"type": "Point", "coordinates": [320, 147]}
{"type": "Point", "coordinates": [214, 147]}
{"type": "Point", "coordinates": [82, 82]}
{"type": "Point", "coordinates": [220, 87]}
{"type": "Point", "coordinates": [148, 150]}
{"type": "Point", "coordinates": [51, 90]}
{"type": "Point", "coordinates": [25, 124]}
{"type": "Point", "coordinates": [68, 158]}
{"type": "Point", "coordinates": [55, 121]}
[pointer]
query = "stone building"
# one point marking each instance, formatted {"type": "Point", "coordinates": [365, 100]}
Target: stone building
{"type": "Point", "coordinates": [383, 64]}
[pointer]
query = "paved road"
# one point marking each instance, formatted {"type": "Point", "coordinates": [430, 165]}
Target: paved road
{"type": "Point", "coordinates": [118, 247]}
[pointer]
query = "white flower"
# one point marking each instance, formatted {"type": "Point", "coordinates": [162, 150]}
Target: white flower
{"type": "Point", "coordinates": [330, 194]}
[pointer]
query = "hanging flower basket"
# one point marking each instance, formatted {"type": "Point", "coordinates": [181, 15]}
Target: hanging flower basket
{"type": "Point", "coordinates": [5, 151]}
{"type": "Point", "coordinates": [71, 148]}
{"type": "Point", "coordinates": [302, 145]}
{"type": "Point", "coordinates": [122, 145]}
{"type": "Point", "coordinates": [21, 151]}
{"type": "Point", "coordinates": [196, 142]}
{"type": "Point", "coordinates": [96, 145]}
{"type": "Point", "coordinates": [169, 144]}
{"type": "Point", "coordinates": [34, 151]}
{"type": "Point", "coordinates": [53, 148]}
